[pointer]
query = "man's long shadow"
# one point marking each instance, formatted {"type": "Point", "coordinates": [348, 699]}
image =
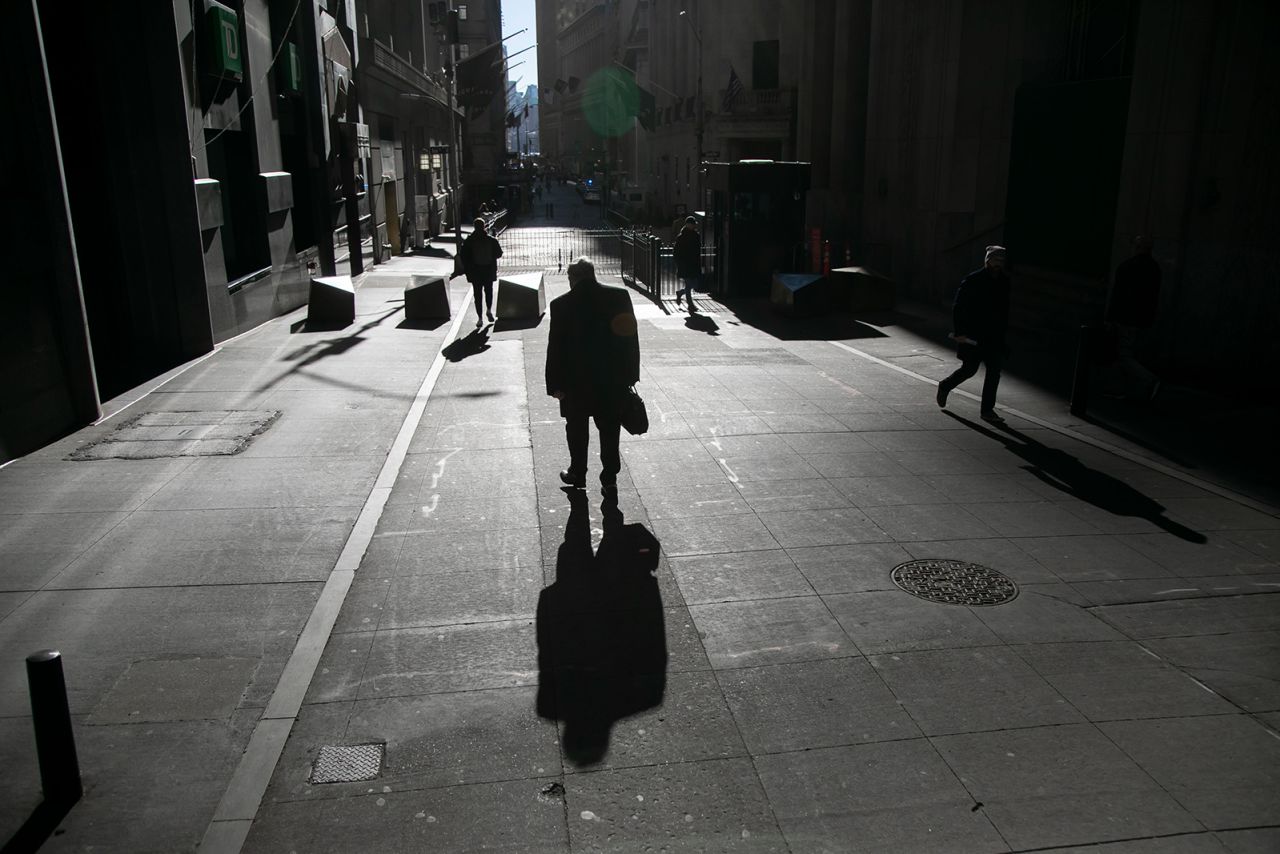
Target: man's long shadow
{"type": "Point", "coordinates": [1066, 473]}
{"type": "Point", "coordinates": [602, 647]}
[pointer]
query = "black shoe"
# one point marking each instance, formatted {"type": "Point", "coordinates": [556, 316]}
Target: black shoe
{"type": "Point", "coordinates": [679, 298]}
{"type": "Point", "coordinates": [943, 391]}
{"type": "Point", "coordinates": [490, 316]}
{"type": "Point", "coordinates": [992, 417]}
{"type": "Point", "coordinates": [570, 479]}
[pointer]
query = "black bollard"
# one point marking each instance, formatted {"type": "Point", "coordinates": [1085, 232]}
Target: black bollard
{"type": "Point", "coordinates": [51, 717]}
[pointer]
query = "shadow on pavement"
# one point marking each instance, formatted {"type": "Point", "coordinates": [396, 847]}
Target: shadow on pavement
{"type": "Point", "coordinates": [827, 326]}
{"type": "Point", "coordinates": [602, 649]}
{"type": "Point", "coordinates": [1064, 472]}
{"type": "Point", "coordinates": [434, 323]}
{"type": "Point", "coordinates": [507, 325]}
{"type": "Point", "coordinates": [39, 827]}
{"type": "Point", "coordinates": [469, 345]}
{"type": "Point", "coordinates": [702, 323]}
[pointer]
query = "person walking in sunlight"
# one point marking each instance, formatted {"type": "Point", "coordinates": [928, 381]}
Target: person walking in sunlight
{"type": "Point", "coordinates": [688, 252]}
{"type": "Point", "coordinates": [593, 357]}
{"type": "Point", "coordinates": [480, 253]}
{"type": "Point", "coordinates": [981, 324]}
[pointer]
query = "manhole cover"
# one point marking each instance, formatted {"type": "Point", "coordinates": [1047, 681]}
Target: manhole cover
{"type": "Point", "coordinates": [349, 763]}
{"type": "Point", "coordinates": [955, 582]}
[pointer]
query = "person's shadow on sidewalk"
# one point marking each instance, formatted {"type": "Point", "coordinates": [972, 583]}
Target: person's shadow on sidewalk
{"type": "Point", "coordinates": [602, 649]}
{"type": "Point", "coordinates": [702, 323]}
{"type": "Point", "coordinates": [469, 345]}
{"type": "Point", "coordinates": [1064, 472]}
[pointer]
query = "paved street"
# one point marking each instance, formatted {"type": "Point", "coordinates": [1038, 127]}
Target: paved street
{"type": "Point", "coordinates": [719, 661]}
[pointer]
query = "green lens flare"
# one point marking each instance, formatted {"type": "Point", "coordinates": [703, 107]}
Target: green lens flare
{"type": "Point", "coordinates": [610, 102]}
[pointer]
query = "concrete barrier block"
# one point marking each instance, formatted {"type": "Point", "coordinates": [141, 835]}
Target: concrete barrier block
{"type": "Point", "coordinates": [862, 289]}
{"type": "Point", "coordinates": [798, 294]}
{"type": "Point", "coordinates": [427, 298]}
{"type": "Point", "coordinates": [521, 297]}
{"type": "Point", "coordinates": [332, 299]}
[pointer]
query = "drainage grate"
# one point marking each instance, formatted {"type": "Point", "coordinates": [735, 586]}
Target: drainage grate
{"type": "Point", "coordinates": [348, 763]}
{"type": "Point", "coordinates": [954, 582]}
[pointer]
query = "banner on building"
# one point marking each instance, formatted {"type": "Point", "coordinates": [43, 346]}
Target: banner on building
{"type": "Point", "coordinates": [480, 78]}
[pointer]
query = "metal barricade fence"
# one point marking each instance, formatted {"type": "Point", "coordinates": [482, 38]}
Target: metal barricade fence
{"type": "Point", "coordinates": [553, 249]}
{"type": "Point", "coordinates": [641, 259]}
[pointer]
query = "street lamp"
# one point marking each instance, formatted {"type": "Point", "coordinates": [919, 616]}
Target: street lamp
{"type": "Point", "coordinates": [694, 27]}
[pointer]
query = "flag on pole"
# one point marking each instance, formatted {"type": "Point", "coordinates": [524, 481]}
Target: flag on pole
{"type": "Point", "coordinates": [732, 90]}
{"type": "Point", "coordinates": [478, 80]}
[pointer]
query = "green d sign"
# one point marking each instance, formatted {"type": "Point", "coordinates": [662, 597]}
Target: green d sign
{"type": "Point", "coordinates": [223, 28]}
{"type": "Point", "coordinates": [610, 101]}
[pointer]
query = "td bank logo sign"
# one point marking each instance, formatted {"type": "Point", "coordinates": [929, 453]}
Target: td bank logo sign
{"type": "Point", "coordinates": [223, 37]}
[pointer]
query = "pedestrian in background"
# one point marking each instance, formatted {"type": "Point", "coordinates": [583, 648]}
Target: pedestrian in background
{"type": "Point", "coordinates": [1131, 312]}
{"type": "Point", "coordinates": [981, 323]}
{"type": "Point", "coordinates": [480, 253]}
{"type": "Point", "coordinates": [688, 254]}
{"type": "Point", "coordinates": [593, 357]}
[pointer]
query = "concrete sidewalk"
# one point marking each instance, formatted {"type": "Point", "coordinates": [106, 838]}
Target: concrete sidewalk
{"type": "Point", "coordinates": [721, 661]}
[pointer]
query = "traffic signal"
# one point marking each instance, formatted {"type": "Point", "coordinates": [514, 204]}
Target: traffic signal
{"type": "Point", "coordinates": [451, 29]}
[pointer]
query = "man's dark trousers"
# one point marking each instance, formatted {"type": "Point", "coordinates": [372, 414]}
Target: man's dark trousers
{"type": "Point", "coordinates": [577, 430]}
{"type": "Point", "coordinates": [969, 362]}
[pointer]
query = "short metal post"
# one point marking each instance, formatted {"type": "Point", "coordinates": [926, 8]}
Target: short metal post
{"type": "Point", "coordinates": [1084, 367]}
{"type": "Point", "coordinates": [51, 717]}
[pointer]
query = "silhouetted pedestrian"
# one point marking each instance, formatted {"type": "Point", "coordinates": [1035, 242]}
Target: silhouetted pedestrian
{"type": "Point", "coordinates": [1135, 299]}
{"type": "Point", "coordinates": [981, 321]}
{"type": "Point", "coordinates": [480, 253]}
{"type": "Point", "coordinates": [593, 357]}
{"type": "Point", "coordinates": [688, 252]}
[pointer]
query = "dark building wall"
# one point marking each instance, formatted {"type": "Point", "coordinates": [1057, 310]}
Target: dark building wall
{"type": "Point", "coordinates": [1200, 178]}
{"type": "Point", "coordinates": [46, 370]}
{"type": "Point", "coordinates": [128, 178]}
{"type": "Point", "coordinates": [1064, 130]}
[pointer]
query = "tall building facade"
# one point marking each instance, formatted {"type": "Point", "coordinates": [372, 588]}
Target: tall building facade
{"type": "Point", "coordinates": [238, 148]}
{"type": "Point", "coordinates": [1058, 127]}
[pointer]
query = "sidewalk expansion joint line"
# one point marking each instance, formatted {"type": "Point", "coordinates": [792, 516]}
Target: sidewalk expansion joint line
{"type": "Point", "coordinates": [234, 816]}
{"type": "Point", "coordinates": [1185, 477]}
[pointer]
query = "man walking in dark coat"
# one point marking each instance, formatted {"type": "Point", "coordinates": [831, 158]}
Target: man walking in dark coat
{"type": "Point", "coordinates": [593, 357]}
{"type": "Point", "coordinates": [480, 253]}
{"type": "Point", "coordinates": [981, 320]}
{"type": "Point", "coordinates": [688, 254]}
{"type": "Point", "coordinates": [1135, 298]}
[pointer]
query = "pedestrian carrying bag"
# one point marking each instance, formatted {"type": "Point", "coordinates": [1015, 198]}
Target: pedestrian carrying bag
{"type": "Point", "coordinates": [632, 414]}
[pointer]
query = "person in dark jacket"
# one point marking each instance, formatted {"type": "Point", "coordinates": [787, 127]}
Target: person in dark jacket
{"type": "Point", "coordinates": [981, 321]}
{"type": "Point", "coordinates": [593, 357]}
{"type": "Point", "coordinates": [480, 253]}
{"type": "Point", "coordinates": [1131, 311]}
{"type": "Point", "coordinates": [688, 254]}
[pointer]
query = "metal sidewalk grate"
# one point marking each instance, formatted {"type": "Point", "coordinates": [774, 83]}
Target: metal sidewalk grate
{"type": "Point", "coordinates": [349, 763]}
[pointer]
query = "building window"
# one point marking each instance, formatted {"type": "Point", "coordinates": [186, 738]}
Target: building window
{"type": "Point", "coordinates": [462, 12]}
{"type": "Point", "coordinates": [764, 65]}
{"type": "Point", "coordinates": [464, 50]}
